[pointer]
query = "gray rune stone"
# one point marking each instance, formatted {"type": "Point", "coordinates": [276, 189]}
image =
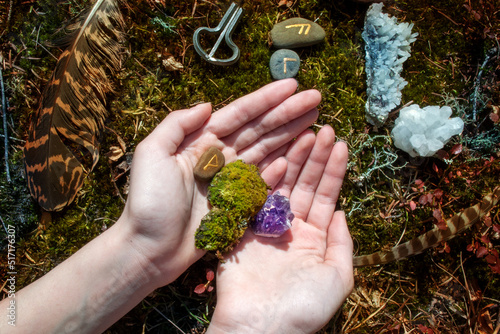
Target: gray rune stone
{"type": "Point", "coordinates": [284, 64]}
{"type": "Point", "coordinates": [296, 33]}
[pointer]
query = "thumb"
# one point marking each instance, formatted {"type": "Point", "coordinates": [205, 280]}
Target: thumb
{"type": "Point", "coordinates": [178, 124]}
{"type": "Point", "coordinates": [339, 248]}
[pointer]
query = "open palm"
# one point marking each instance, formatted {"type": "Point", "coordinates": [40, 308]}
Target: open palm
{"type": "Point", "coordinates": [166, 204]}
{"type": "Point", "coordinates": [296, 282]}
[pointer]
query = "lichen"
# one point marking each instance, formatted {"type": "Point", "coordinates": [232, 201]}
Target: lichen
{"type": "Point", "coordinates": [236, 193]}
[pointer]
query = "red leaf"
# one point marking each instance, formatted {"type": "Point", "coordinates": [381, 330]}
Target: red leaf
{"type": "Point", "coordinates": [487, 221]}
{"type": "Point", "coordinates": [437, 214]}
{"type": "Point", "coordinates": [430, 198]}
{"type": "Point", "coordinates": [496, 268]}
{"type": "Point", "coordinates": [481, 252]}
{"type": "Point", "coordinates": [491, 259]}
{"type": "Point", "coordinates": [442, 225]}
{"type": "Point", "coordinates": [210, 275]}
{"type": "Point", "coordinates": [200, 288]}
{"type": "Point", "coordinates": [423, 200]}
{"type": "Point", "coordinates": [438, 194]}
{"type": "Point", "coordinates": [471, 247]}
{"type": "Point", "coordinates": [496, 228]}
{"type": "Point", "coordinates": [440, 222]}
{"type": "Point", "coordinates": [456, 149]}
{"type": "Point", "coordinates": [425, 329]}
{"type": "Point", "coordinates": [446, 248]}
{"type": "Point", "coordinates": [413, 205]}
{"type": "Point", "coordinates": [210, 288]}
{"type": "Point", "coordinates": [485, 239]}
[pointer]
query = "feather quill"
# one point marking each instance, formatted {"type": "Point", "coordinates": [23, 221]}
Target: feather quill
{"type": "Point", "coordinates": [72, 109]}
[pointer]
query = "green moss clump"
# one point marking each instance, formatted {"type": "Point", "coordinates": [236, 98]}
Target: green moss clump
{"type": "Point", "coordinates": [239, 188]}
{"type": "Point", "coordinates": [218, 231]}
{"type": "Point", "coordinates": [237, 193]}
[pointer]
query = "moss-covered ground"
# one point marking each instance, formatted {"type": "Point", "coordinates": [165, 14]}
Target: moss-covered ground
{"type": "Point", "coordinates": [388, 196]}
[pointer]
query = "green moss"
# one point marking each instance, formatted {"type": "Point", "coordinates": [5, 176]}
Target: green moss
{"type": "Point", "coordinates": [238, 188]}
{"type": "Point", "coordinates": [237, 193]}
{"type": "Point", "coordinates": [219, 231]}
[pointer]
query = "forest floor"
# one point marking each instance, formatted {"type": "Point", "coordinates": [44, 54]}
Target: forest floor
{"type": "Point", "coordinates": [388, 196]}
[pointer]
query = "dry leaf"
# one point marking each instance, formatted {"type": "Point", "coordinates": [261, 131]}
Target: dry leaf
{"type": "Point", "coordinates": [171, 64]}
{"type": "Point", "coordinates": [115, 153]}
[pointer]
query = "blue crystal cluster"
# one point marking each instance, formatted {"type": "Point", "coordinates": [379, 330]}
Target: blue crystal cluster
{"type": "Point", "coordinates": [387, 48]}
{"type": "Point", "coordinates": [275, 217]}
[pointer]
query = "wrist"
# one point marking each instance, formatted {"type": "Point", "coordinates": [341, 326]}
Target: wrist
{"type": "Point", "coordinates": [139, 253]}
{"type": "Point", "coordinates": [137, 269]}
{"type": "Point", "coordinates": [161, 257]}
{"type": "Point", "coordinates": [265, 322]}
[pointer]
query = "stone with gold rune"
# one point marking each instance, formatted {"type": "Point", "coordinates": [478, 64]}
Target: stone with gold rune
{"type": "Point", "coordinates": [210, 163]}
{"type": "Point", "coordinates": [295, 33]}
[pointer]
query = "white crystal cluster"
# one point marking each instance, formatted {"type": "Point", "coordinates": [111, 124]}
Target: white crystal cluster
{"type": "Point", "coordinates": [422, 132]}
{"type": "Point", "coordinates": [387, 46]}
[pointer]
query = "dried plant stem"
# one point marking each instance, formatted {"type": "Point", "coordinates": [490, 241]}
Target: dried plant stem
{"type": "Point", "coordinates": [6, 138]}
{"type": "Point", "coordinates": [164, 316]}
{"type": "Point", "coordinates": [11, 4]}
{"type": "Point", "coordinates": [477, 82]}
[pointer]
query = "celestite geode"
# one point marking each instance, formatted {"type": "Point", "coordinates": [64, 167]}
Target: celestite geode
{"type": "Point", "coordinates": [275, 217]}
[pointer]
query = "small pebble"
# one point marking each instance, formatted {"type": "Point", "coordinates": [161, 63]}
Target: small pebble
{"type": "Point", "coordinates": [284, 64]}
{"type": "Point", "coordinates": [295, 33]}
{"type": "Point", "coordinates": [210, 163]}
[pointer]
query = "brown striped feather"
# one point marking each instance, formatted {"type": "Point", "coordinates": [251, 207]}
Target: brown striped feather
{"type": "Point", "coordinates": [72, 111]}
{"type": "Point", "coordinates": [434, 237]}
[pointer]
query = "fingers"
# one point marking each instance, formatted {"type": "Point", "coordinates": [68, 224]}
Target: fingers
{"type": "Point", "coordinates": [271, 157]}
{"type": "Point", "coordinates": [177, 125]}
{"type": "Point", "coordinates": [238, 113]}
{"type": "Point", "coordinates": [274, 172]}
{"type": "Point", "coordinates": [265, 144]}
{"type": "Point", "coordinates": [304, 189]}
{"type": "Point", "coordinates": [339, 249]}
{"type": "Point", "coordinates": [296, 157]}
{"type": "Point", "coordinates": [294, 114]}
{"type": "Point", "coordinates": [327, 192]}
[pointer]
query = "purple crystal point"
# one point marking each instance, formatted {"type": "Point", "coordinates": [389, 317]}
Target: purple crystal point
{"type": "Point", "coordinates": [275, 217]}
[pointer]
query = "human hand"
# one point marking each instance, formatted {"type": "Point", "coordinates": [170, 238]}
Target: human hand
{"type": "Point", "coordinates": [165, 204]}
{"type": "Point", "coordinates": [294, 283]}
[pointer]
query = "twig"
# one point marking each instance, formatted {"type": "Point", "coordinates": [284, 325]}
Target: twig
{"type": "Point", "coordinates": [375, 313]}
{"type": "Point", "coordinates": [6, 138]}
{"type": "Point", "coordinates": [5, 228]}
{"type": "Point", "coordinates": [478, 82]}
{"type": "Point", "coordinates": [14, 138]}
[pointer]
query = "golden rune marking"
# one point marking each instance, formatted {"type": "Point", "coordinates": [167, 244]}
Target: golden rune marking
{"type": "Point", "coordinates": [210, 164]}
{"type": "Point", "coordinates": [285, 60]}
{"type": "Point", "coordinates": [301, 25]}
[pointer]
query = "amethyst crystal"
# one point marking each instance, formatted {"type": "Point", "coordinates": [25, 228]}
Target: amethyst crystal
{"type": "Point", "coordinates": [275, 217]}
